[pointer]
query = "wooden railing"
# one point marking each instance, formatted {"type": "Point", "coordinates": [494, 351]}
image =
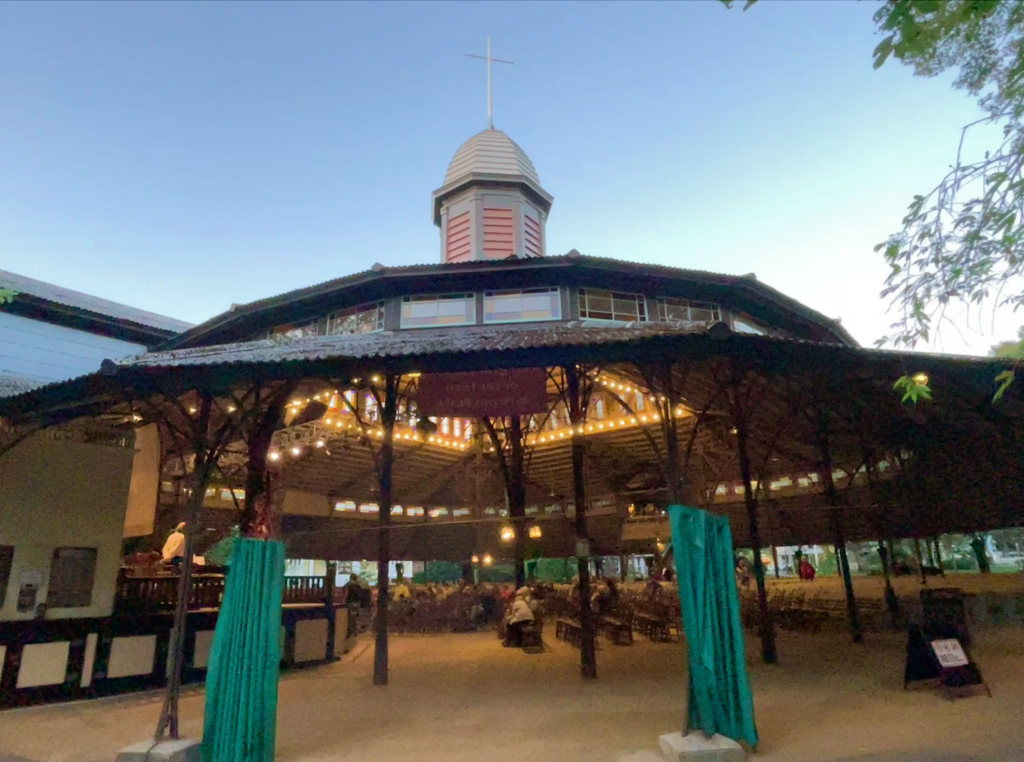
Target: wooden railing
{"type": "Point", "coordinates": [159, 593]}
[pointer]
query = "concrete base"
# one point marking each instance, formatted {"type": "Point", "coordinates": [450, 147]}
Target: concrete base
{"type": "Point", "coordinates": [696, 747]}
{"type": "Point", "coordinates": [180, 750]}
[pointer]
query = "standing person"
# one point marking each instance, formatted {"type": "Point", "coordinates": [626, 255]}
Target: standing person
{"type": "Point", "coordinates": [174, 547]}
{"type": "Point", "coordinates": [807, 571]}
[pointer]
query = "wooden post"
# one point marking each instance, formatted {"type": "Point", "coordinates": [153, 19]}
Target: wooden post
{"type": "Point", "coordinates": [577, 416]}
{"type": "Point", "coordinates": [775, 561]}
{"type": "Point", "coordinates": [329, 610]}
{"type": "Point", "coordinates": [200, 477]}
{"type": "Point", "coordinates": [892, 603]}
{"type": "Point", "coordinates": [920, 560]}
{"type": "Point", "coordinates": [386, 475]}
{"type": "Point", "coordinates": [517, 496]}
{"type": "Point", "coordinates": [257, 445]}
{"type": "Point", "coordinates": [767, 627]}
{"type": "Point", "coordinates": [938, 556]}
{"type": "Point", "coordinates": [838, 530]}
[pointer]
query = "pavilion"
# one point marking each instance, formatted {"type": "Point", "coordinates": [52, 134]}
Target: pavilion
{"type": "Point", "coordinates": [326, 412]}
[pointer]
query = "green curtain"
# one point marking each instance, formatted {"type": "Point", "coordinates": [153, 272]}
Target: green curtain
{"type": "Point", "coordinates": [241, 683]}
{"type": "Point", "coordinates": [720, 697]}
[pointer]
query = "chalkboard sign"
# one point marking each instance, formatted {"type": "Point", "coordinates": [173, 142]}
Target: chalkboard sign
{"type": "Point", "coordinates": [944, 659]}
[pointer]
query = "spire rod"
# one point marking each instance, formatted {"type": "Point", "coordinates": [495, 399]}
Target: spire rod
{"type": "Point", "coordinates": [489, 59]}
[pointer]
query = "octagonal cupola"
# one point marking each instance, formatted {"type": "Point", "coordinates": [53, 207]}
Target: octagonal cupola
{"type": "Point", "coordinates": [491, 205]}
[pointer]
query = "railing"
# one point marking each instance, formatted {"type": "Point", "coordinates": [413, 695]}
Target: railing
{"type": "Point", "coordinates": [159, 593]}
{"type": "Point", "coordinates": [304, 590]}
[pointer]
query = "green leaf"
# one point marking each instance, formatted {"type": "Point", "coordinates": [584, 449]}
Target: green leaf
{"type": "Point", "coordinates": [884, 50]}
{"type": "Point", "coordinates": [1005, 379]}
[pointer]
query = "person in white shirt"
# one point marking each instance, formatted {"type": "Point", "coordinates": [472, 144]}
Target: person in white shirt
{"type": "Point", "coordinates": [519, 614]}
{"type": "Point", "coordinates": [174, 548]}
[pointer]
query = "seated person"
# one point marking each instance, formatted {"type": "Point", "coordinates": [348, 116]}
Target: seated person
{"type": "Point", "coordinates": [519, 614]}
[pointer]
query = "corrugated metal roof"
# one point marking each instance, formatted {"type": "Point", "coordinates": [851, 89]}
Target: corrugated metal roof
{"type": "Point", "coordinates": [78, 300]}
{"type": "Point", "coordinates": [409, 343]}
{"type": "Point", "coordinates": [12, 385]}
{"type": "Point", "coordinates": [569, 259]}
{"type": "Point", "coordinates": [490, 152]}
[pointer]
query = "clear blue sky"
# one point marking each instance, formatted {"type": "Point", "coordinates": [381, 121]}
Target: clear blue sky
{"type": "Point", "coordinates": [183, 156]}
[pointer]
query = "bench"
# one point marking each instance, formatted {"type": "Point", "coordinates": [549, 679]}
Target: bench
{"type": "Point", "coordinates": [569, 630]}
{"type": "Point", "coordinates": [618, 630]}
{"type": "Point", "coordinates": [532, 642]}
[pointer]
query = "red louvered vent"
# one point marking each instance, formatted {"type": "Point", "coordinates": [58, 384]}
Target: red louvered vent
{"type": "Point", "coordinates": [533, 243]}
{"type": "Point", "coordinates": [459, 247]}
{"type": "Point", "coordinates": [499, 237]}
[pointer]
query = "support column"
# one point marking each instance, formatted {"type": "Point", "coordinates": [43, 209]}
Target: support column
{"type": "Point", "coordinates": [577, 416]}
{"type": "Point", "coordinates": [920, 560]}
{"type": "Point", "coordinates": [517, 496]}
{"type": "Point", "coordinates": [838, 530]}
{"type": "Point", "coordinates": [892, 603]}
{"type": "Point", "coordinates": [386, 473]}
{"type": "Point", "coordinates": [329, 611]}
{"type": "Point", "coordinates": [201, 468]}
{"type": "Point", "coordinates": [938, 556]}
{"type": "Point", "coordinates": [765, 623]}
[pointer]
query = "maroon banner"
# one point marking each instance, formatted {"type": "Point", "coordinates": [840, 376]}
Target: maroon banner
{"type": "Point", "coordinates": [484, 393]}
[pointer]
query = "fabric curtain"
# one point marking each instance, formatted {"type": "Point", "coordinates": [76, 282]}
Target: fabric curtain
{"type": "Point", "coordinates": [720, 697]}
{"type": "Point", "coordinates": [245, 660]}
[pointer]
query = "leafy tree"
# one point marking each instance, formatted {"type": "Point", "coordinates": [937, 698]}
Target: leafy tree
{"type": "Point", "coordinates": [7, 295]}
{"type": "Point", "coordinates": [1013, 350]}
{"type": "Point", "coordinates": [963, 241]}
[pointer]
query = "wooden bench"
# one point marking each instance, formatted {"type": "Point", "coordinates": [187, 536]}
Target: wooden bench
{"type": "Point", "coordinates": [532, 642]}
{"type": "Point", "coordinates": [569, 630]}
{"type": "Point", "coordinates": [654, 628]}
{"type": "Point", "coordinates": [618, 630]}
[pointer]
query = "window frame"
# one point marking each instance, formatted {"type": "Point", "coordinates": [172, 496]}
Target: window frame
{"type": "Point", "coordinates": [359, 309]}
{"type": "Point", "coordinates": [273, 333]}
{"type": "Point", "coordinates": [6, 566]}
{"type": "Point", "coordinates": [467, 297]}
{"type": "Point", "coordinates": [583, 298]}
{"type": "Point", "coordinates": [713, 307]}
{"type": "Point", "coordinates": [78, 598]}
{"type": "Point", "coordinates": [557, 300]}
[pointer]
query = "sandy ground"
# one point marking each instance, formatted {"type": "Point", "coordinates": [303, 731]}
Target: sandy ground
{"type": "Point", "coordinates": [463, 698]}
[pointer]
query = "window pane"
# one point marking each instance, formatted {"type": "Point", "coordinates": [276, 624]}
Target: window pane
{"type": "Point", "coordinates": [295, 330]}
{"type": "Point", "coordinates": [606, 305]}
{"type": "Point", "coordinates": [365, 318]}
{"type": "Point", "coordinates": [526, 305]}
{"type": "Point", "coordinates": [6, 558]}
{"type": "Point", "coordinates": [670, 308]}
{"type": "Point", "coordinates": [423, 311]}
{"type": "Point", "coordinates": [71, 577]}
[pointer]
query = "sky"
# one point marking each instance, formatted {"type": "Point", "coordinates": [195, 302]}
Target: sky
{"type": "Point", "coordinates": [181, 157]}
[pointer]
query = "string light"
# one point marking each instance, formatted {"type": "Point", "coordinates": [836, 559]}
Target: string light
{"type": "Point", "coordinates": [296, 451]}
{"type": "Point", "coordinates": [274, 455]}
{"type": "Point", "coordinates": [488, 560]}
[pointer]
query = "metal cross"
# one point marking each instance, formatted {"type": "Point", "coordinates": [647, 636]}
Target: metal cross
{"type": "Point", "coordinates": [489, 60]}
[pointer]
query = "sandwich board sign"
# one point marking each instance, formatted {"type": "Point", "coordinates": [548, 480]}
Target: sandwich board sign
{"type": "Point", "coordinates": [950, 653]}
